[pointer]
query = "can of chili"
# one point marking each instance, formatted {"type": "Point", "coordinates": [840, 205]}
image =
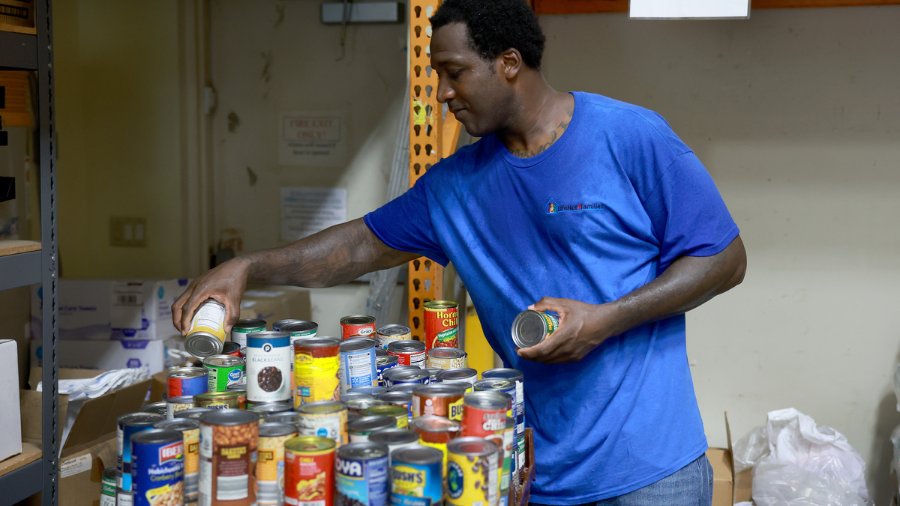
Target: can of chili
{"type": "Point", "coordinates": [408, 352]}
{"type": "Point", "coordinates": [269, 366]}
{"type": "Point", "coordinates": [441, 399]}
{"type": "Point", "coordinates": [228, 445]}
{"type": "Point", "coordinates": [224, 371]}
{"type": "Point", "coordinates": [446, 358]}
{"type": "Point", "coordinates": [207, 333]}
{"type": "Point", "coordinates": [441, 324]}
{"type": "Point", "coordinates": [362, 474]}
{"type": "Point", "coordinates": [157, 470]}
{"type": "Point", "coordinates": [484, 415]}
{"type": "Point", "coordinates": [309, 471]}
{"type": "Point", "coordinates": [357, 363]}
{"type": "Point", "coordinates": [510, 436]}
{"type": "Point", "coordinates": [242, 328]}
{"type": "Point", "coordinates": [181, 381]}
{"type": "Point", "coordinates": [317, 370]}
{"type": "Point", "coordinates": [358, 325]}
{"type": "Point", "coordinates": [392, 333]}
{"type": "Point", "coordinates": [221, 400]}
{"type": "Point", "coordinates": [324, 419]}
{"type": "Point", "coordinates": [472, 472]}
{"type": "Point", "coordinates": [518, 378]}
{"type": "Point", "coordinates": [190, 431]}
{"type": "Point", "coordinates": [270, 462]}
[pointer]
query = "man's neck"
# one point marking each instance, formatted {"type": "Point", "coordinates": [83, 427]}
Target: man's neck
{"type": "Point", "coordinates": [544, 115]}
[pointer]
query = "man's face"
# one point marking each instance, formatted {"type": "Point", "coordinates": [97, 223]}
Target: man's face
{"type": "Point", "coordinates": [475, 90]}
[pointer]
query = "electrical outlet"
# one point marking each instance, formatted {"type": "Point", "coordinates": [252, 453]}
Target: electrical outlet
{"type": "Point", "coordinates": [128, 231]}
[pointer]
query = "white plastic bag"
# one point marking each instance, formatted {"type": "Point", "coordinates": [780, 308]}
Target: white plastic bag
{"type": "Point", "coordinates": [750, 448]}
{"type": "Point", "coordinates": [781, 483]}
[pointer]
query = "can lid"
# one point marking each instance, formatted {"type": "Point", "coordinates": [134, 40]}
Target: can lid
{"type": "Point", "coordinates": [319, 407]}
{"type": "Point", "coordinates": [310, 444]}
{"type": "Point", "coordinates": [433, 423]}
{"type": "Point", "coordinates": [488, 399]}
{"type": "Point", "coordinates": [281, 323]}
{"type": "Point", "coordinates": [317, 342]}
{"type": "Point", "coordinates": [386, 359]}
{"type": "Point", "coordinates": [528, 329]}
{"type": "Point", "coordinates": [110, 473]}
{"type": "Point", "coordinates": [381, 352]}
{"type": "Point", "coordinates": [397, 374]}
{"type": "Point", "coordinates": [283, 417]}
{"type": "Point", "coordinates": [494, 384]}
{"type": "Point", "coordinates": [362, 451]}
{"type": "Point", "coordinates": [394, 330]}
{"type": "Point", "coordinates": [299, 326]}
{"type": "Point", "coordinates": [180, 424]}
{"type": "Point", "coordinates": [237, 387]}
{"type": "Point", "coordinates": [357, 344]}
{"type": "Point", "coordinates": [371, 423]}
{"type": "Point", "coordinates": [503, 373]}
{"type": "Point", "coordinates": [391, 410]}
{"type": "Point", "coordinates": [440, 304]}
{"type": "Point", "coordinates": [249, 323]}
{"type": "Point", "coordinates": [361, 404]}
{"type": "Point", "coordinates": [183, 399]}
{"type": "Point", "coordinates": [404, 387]}
{"type": "Point", "coordinates": [473, 446]}
{"type": "Point", "coordinates": [203, 344]}
{"type": "Point", "coordinates": [193, 412]}
{"type": "Point", "coordinates": [397, 396]}
{"type": "Point", "coordinates": [271, 407]}
{"type": "Point", "coordinates": [138, 419]}
{"type": "Point", "coordinates": [187, 372]}
{"type": "Point", "coordinates": [229, 417]}
{"type": "Point", "coordinates": [406, 346]}
{"type": "Point", "coordinates": [368, 389]}
{"type": "Point", "coordinates": [275, 429]}
{"type": "Point", "coordinates": [230, 347]}
{"type": "Point", "coordinates": [218, 395]}
{"type": "Point", "coordinates": [440, 390]}
{"type": "Point", "coordinates": [153, 436]}
{"type": "Point", "coordinates": [352, 396]}
{"type": "Point", "coordinates": [223, 360]}
{"type": "Point", "coordinates": [446, 353]}
{"type": "Point", "coordinates": [462, 373]}
{"type": "Point", "coordinates": [357, 319]}
{"type": "Point", "coordinates": [394, 436]}
{"type": "Point", "coordinates": [421, 455]}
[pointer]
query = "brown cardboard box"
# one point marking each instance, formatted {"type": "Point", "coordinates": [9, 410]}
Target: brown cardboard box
{"type": "Point", "coordinates": [728, 488]}
{"type": "Point", "coordinates": [273, 303]}
{"type": "Point", "coordinates": [81, 473]}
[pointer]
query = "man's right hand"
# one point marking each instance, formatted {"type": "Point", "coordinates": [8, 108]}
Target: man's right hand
{"type": "Point", "coordinates": [226, 284]}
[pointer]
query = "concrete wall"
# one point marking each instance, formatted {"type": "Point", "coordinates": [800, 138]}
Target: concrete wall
{"type": "Point", "coordinates": [796, 114]}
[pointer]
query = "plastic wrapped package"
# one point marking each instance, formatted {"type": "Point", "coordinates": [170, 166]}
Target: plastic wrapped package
{"type": "Point", "coordinates": [781, 483]}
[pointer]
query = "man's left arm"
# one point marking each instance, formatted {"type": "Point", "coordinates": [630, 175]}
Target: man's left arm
{"type": "Point", "coordinates": [688, 282]}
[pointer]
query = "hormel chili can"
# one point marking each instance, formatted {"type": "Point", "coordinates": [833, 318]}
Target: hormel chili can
{"type": "Point", "coordinates": [357, 325]}
{"type": "Point", "coordinates": [439, 399]}
{"type": "Point", "coordinates": [441, 324]}
{"type": "Point", "coordinates": [309, 471]}
{"type": "Point", "coordinates": [484, 416]}
{"type": "Point", "coordinates": [408, 352]}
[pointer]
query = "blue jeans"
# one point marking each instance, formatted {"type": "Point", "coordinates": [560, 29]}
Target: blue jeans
{"type": "Point", "coordinates": [692, 485]}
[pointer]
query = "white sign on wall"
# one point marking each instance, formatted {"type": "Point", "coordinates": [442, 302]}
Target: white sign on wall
{"type": "Point", "coordinates": [312, 138]}
{"type": "Point", "coordinates": [662, 9]}
{"type": "Point", "coordinates": [306, 210]}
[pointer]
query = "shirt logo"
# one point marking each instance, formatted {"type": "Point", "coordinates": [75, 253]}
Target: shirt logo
{"type": "Point", "coordinates": [554, 208]}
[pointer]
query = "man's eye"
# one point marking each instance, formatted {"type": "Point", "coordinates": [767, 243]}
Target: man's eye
{"type": "Point", "coordinates": [455, 74]}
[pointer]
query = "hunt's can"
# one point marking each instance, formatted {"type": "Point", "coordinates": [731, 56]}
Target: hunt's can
{"type": "Point", "coordinates": [465, 376]}
{"type": "Point", "coordinates": [383, 363]}
{"type": "Point", "coordinates": [357, 325]}
{"type": "Point", "coordinates": [189, 428]}
{"type": "Point", "coordinates": [270, 462]}
{"type": "Point", "coordinates": [265, 409]}
{"type": "Point", "coordinates": [176, 404]}
{"type": "Point", "coordinates": [394, 438]}
{"type": "Point", "coordinates": [518, 378]}
{"type": "Point", "coordinates": [232, 349]}
{"type": "Point", "coordinates": [181, 381]}
{"type": "Point", "coordinates": [126, 427]}
{"type": "Point", "coordinates": [532, 327]}
{"type": "Point", "coordinates": [317, 370]}
{"type": "Point", "coordinates": [228, 446]}
{"type": "Point", "coordinates": [397, 398]}
{"type": "Point", "coordinates": [417, 477]}
{"type": "Point", "coordinates": [472, 472]}
{"type": "Point", "coordinates": [406, 374]}
{"type": "Point", "coordinates": [324, 419]}
{"type": "Point", "coordinates": [362, 474]}
{"type": "Point", "coordinates": [357, 364]}
{"type": "Point", "coordinates": [441, 324]}
{"type": "Point", "coordinates": [446, 358]}
{"type": "Point", "coordinates": [156, 407]}
{"type": "Point", "coordinates": [207, 333]}
{"type": "Point", "coordinates": [390, 410]}
{"type": "Point", "coordinates": [436, 432]}
{"type": "Point", "coordinates": [157, 471]}
{"type": "Point", "coordinates": [288, 417]}
{"type": "Point", "coordinates": [360, 429]}
{"type": "Point", "coordinates": [224, 371]}
{"type": "Point", "coordinates": [192, 413]}
{"type": "Point", "coordinates": [408, 352]}
{"type": "Point", "coordinates": [442, 399]}
{"type": "Point", "coordinates": [108, 487]}
{"type": "Point", "coordinates": [269, 367]}
{"type": "Point", "coordinates": [244, 327]}
{"type": "Point", "coordinates": [299, 329]}
{"type": "Point", "coordinates": [484, 416]}
{"type": "Point", "coordinates": [309, 471]}
{"type": "Point", "coordinates": [373, 390]}
{"type": "Point", "coordinates": [221, 400]}
{"type": "Point", "coordinates": [393, 332]}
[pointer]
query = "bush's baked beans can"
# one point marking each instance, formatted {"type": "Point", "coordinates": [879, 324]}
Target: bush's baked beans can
{"type": "Point", "coordinates": [446, 358]}
{"type": "Point", "coordinates": [224, 371]}
{"type": "Point", "coordinates": [435, 431]}
{"type": "Point", "coordinates": [108, 487]}
{"type": "Point", "coordinates": [472, 472]}
{"type": "Point", "coordinates": [442, 399]}
{"type": "Point", "coordinates": [159, 408]}
{"type": "Point", "coordinates": [441, 324]}
{"type": "Point", "coordinates": [390, 410]}
{"type": "Point", "coordinates": [309, 471]}
{"type": "Point", "coordinates": [408, 352]}
{"type": "Point", "coordinates": [324, 419]}
{"type": "Point", "coordinates": [532, 327]}
{"type": "Point", "coordinates": [269, 366]}
{"type": "Point", "coordinates": [192, 413]}
{"type": "Point", "coordinates": [181, 381]}
{"type": "Point", "coordinates": [242, 328]}
{"type": "Point", "coordinates": [393, 332]}
{"type": "Point", "coordinates": [221, 400]}
{"type": "Point", "coordinates": [518, 378]}
{"type": "Point", "coordinates": [189, 428]}
{"type": "Point", "coordinates": [207, 333]}
{"type": "Point", "coordinates": [383, 363]}
{"type": "Point", "coordinates": [317, 370]}
{"type": "Point", "coordinates": [228, 446]}
{"type": "Point", "coordinates": [362, 475]}
{"type": "Point", "coordinates": [397, 398]}
{"type": "Point", "coordinates": [394, 438]}
{"type": "Point", "coordinates": [357, 325]}
{"type": "Point", "coordinates": [176, 404]}
{"type": "Point", "coordinates": [465, 376]}
{"type": "Point", "coordinates": [360, 428]}
{"type": "Point", "coordinates": [417, 476]}
{"type": "Point", "coordinates": [484, 416]}
{"type": "Point", "coordinates": [126, 427]}
{"type": "Point", "coordinates": [406, 374]}
{"type": "Point", "coordinates": [270, 462]}
{"type": "Point", "coordinates": [299, 329]}
{"type": "Point", "coordinates": [157, 471]}
{"type": "Point", "coordinates": [357, 363]}
{"type": "Point", "coordinates": [373, 390]}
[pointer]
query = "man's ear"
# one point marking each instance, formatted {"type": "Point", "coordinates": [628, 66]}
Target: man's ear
{"type": "Point", "coordinates": [510, 63]}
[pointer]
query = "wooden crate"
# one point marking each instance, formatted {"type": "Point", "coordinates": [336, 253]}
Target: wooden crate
{"type": "Point", "coordinates": [520, 492]}
{"type": "Point", "coordinates": [17, 16]}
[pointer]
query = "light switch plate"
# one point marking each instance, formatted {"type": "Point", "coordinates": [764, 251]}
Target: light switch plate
{"type": "Point", "coordinates": [128, 231]}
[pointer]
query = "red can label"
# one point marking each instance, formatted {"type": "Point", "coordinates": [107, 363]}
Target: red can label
{"type": "Point", "coordinates": [415, 358]}
{"type": "Point", "coordinates": [441, 325]}
{"type": "Point", "coordinates": [362, 330]}
{"type": "Point", "coordinates": [309, 478]}
{"type": "Point", "coordinates": [484, 423]}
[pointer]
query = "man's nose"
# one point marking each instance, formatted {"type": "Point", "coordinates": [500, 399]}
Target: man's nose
{"type": "Point", "coordinates": [444, 93]}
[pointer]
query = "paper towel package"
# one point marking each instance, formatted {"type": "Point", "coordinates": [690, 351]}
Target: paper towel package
{"type": "Point", "coordinates": [10, 419]}
{"type": "Point", "coordinates": [106, 355]}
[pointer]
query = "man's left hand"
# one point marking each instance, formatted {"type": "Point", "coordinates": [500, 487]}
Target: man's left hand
{"type": "Point", "coordinates": [582, 327]}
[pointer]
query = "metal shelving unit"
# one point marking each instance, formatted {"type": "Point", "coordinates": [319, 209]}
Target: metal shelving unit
{"type": "Point", "coordinates": [35, 52]}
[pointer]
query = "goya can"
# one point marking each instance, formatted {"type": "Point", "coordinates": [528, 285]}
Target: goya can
{"type": "Point", "coordinates": [362, 474]}
{"type": "Point", "coordinates": [360, 429]}
{"type": "Point", "coordinates": [405, 374]}
{"type": "Point", "coordinates": [228, 446]}
{"type": "Point", "coordinates": [532, 327]}
{"type": "Point", "coordinates": [465, 376]}
{"type": "Point", "coordinates": [317, 370]}
{"type": "Point", "coordinates": [391, 333]}
{"type": "Point", "coordinates": [181, 381]}
{"type": "Point", "coordinates": [224, 371]}
{"type": "Point", "coordinates": [189, 428]}
{"type": "Point", "coordinates": [157, 472]}
{"type": "Point", "coordinates": [518, 378]}
{"type": "Point", "coordinates": [159, 408]}
{"type": "Point", "coordinates": [299, 329]}
{"type": "Point", "coordinates": [357, 364]}
{"type": "Point", "coordinates": [244, 327]}
{"type": "Point", "coordinates": [126, 427]}
{"type": "Point", "coordinates": [446, 358]}
{"type": "Point", "coordinates": [442, 399]}
{"type": "Point", "coordinates": [221, 400]}
{"type": "Point", "coordinates": [472, 472]}
{"type": "Point", "coordinates": [397, 412]}
{"type": "Point", "coordinates": [207, 333]}
{"type": "Point", "coordinates": [357, 325]}
{"type": "Point", "coordinates": [441, 324]}
{"type": "Point", "coordinates": [402, 399]}
{"type": "Point", "coordinates": [435, 431]}
{"type": "Point", "coordinates": [417, 477]}
{"type": "Point", "coordinates": [394, 438]}
{"type": "Point", "coordinates": [408, 352]}
{"type": "Point", "coordinates": [484, 416]}
{"type": "Point", "coordinates": [232, 349]}
{"type": "Point", "coordinates": [192, 413]}
{"type": "Point", "coordinates": [324, 419]}
{"type": "Point", "coordinates": [373, 390]}
{"type": "Point", "coordinates": [269, 366]}
{"type": "Point", "coordinates": [383, 363]}
{"type": "Point", "coordinates": [309, 471]}
{"type": "Point", "coordinates": [108, 487]}
{"type": "Point", "coordinates": [270, 462]}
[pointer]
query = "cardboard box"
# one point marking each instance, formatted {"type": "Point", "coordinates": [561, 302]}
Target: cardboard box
{"type": "Point", "coordinates": [105, 355]}
{"type": "Point", "coordinates": [273, 303]}
{"type": "Point", "coordinates": [17, 16]}
{"type": "Point", "coordinates": [11, 435]}
{"type": "Point", "coordinates": [728, 488]}
{"type": "Point", "coordinates": [81, 473]}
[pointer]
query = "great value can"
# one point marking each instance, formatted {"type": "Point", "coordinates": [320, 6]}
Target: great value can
{"type": "Point", "coordinates": [324, 419]}
{"type": "Point", "coordinates": [181, 381]}
{"type": "Point", "coordinates": [228, 446]}
{"type": "Point", "coordinates": [224, 371]}
{"type": "Point", "coordinates": [484, 416]}
{"type": "Point", "coordinates": [417, 476]}
{"type": "Point", "coordinates": [472, 472]}
{"type": "Point", "coordinates": [108, 487]}
{"type": "Point", "coordinates": [242, 328]}
{"type": "Point", "coordinates": [397, 412]}
{"type": "Point", "coordinates": [362, 474]}
{"type": "Point", "coordinates": [357, 325]}
{"type": "Point", "coordinates": [406, 374]}
{"type": "Point", "coordinates": [157, 471]}
{"type": "Point", "coordinates": [299, 329]}
{"type": "Point", "coordinates": [360, 429]}
{"type": "Point", "coordinates": [435, 431]}
{"type": "Point", "coordinates": [357, 364]}
{"type": "Point", "coordinates": [317, 370]}
{"type": "Point", "coordinates": [518, 378]}
{"type": "Point", "coordinates": [221, 400]}
{"type": "Point", "coordinates": [402, 399]}
{"type": "Point", "coordinates": [126, 427]}
{"type": "Point", "coordinates": [207, 333]}
{"type": "Point", "coordinates": [391, 333]}
{"type": "Point", "coordinates": [383, 363]}
{"type": "Point", "coordinates": [269, 366]}
{"type": "Point", "coordinates": [441, 399]}
{"type": "Point", "coordinates": [189, 428]}
{"type": "Point", "coordinates": [465, 376]}
{"type": "Point", "coordinates": [394, 438]}
{"type": "Point", "coordinates": [309, 471]}
{"type": "Point", "coordinates": [446, 358]}
{"type": "Point", "coordinates": [441, 324]}
{"type": "Point", "coordinates": [408, 352]}
{"type": "Point", "coordinates": [270, 462]}
{"type": "Point", "coordinates": [532, 327]}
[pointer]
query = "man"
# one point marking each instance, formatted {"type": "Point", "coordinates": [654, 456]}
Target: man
{"type": "Point", "coordinates": [572, 203]}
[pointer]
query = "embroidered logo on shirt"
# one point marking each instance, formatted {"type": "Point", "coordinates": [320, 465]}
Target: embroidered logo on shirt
{"type": "Point", "coordinates": [554, 208]}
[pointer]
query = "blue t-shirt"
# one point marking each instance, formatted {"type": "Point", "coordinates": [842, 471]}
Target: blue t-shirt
{"type": "Point", "coordinates": [600, 213]}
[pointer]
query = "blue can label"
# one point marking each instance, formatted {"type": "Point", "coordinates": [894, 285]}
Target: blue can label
{"type": "Point", "coordinates": [416, 485]}
{"type": "Point", "coordinates": [123, 461]}
{"type": "Point", "coordinates": [365, 481]}
{"type": "Point", "coordinates": [381, 369]}
{"type": "Point", "coordinates": [158, 474]}
{"type": "Point", "coordinates": [358, 369]}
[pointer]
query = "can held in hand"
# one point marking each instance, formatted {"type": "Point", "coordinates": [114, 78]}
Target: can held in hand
{"type": "Point", "coordinates": [408, 352]}
{"type": "Point", "coordinates": [206, 336]}
{"type": "Point", "coordinates": [362, 474]}
{"type": "Point", "coordinates": [357, 325]}
{"type": "Point", "coordinates": [324, 419]}
{"type": "Point", "coordinates": [270, 462]}
{"type": "Point", "coordinates": [383, 363]}
{"type": "Point", "coordinates": [190, 431]}
{"type": "Point", "coordinates": [441, 324]}
{"type": "Point", "coordinates": [309, 471]}
{"type": "Point", "coordinates": [532, 327]}
{"type": "Point", "coordinates": [441, 399]}
{"type": "Point", "coordinates": [157, 472]}
{"type": "Point", "coordinates": [393, 332]}
{"type": "Point", "coordinates": [317, 370]}
{"type": "Point", "coordinates": [417, 477]}
{"type": "Point", "coordinates": [472, 472]}
{"type": "Point", "coordinates": [126, 427]}
{"type": "Point", "coordinates": [357, 364]}
{"type": "Point", "coordinates": [446, 358]}
{"type": "Point", "coordinates": [518, 378]}
{"type": "Point", "coordinates": [228, 445]}
{"type": "Point", "coordinates": [224, 371]}
{"type": "Point", "coordinates": [108, 487]}
{"type": "Point", "coordinates": [269, 366]}
{"type": "Point", "coordinates": [397, 412]}
{"type": "Point", "coordinates": [221, 400]}
{"type": "Point", "coordinates": [465, 376]}
{"type": "Point", "coordinates": [181, 381]}
{"type": "Point", "coordinates": [244, 327]}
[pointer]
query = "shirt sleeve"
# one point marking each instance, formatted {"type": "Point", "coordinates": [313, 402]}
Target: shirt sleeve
{"type": "Point", "coordinates": [688, 214]}
{"type": "Point", "coordinates": [405, 223]}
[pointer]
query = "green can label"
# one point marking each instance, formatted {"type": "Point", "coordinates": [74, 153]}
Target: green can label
{"type": "Point", "coordinates": [109, 487]}
{"type": "Point", "coordinates": [220, 378]}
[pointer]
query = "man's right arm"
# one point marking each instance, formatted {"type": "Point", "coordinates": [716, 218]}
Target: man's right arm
{"type": "Point", "coordinates": [334, 256]}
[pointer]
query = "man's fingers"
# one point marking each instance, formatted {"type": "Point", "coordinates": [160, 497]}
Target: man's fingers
{"type": "Point", "coordinates": [544, 350]}
{"type": "Point", "coordinates": [547, 304]}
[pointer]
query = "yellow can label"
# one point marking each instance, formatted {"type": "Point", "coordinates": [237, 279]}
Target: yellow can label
{"type": "Point", "coordinates": [456, 410]}
{"type": "Point", "coordinates": [210, 317]}
{"type": "Point", "coordinates": [270, 458]}
{"type": "Point", "coordinates": [440, 446]}
{"type": "Point", "coordinates": [472, 481]}
{"type": "Point", "coordinates": [191, 451]}
{"type": "Point", "coordinates": [316, 379]}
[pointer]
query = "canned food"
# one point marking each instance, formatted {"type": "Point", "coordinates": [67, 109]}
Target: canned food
{"type": "Point", "coordinates": [156, 407]}
{"type": "Point", "coordinates": [404, 387]}
{"type": "Point", "coordinates": [417, 476]}
{"type": "Point", "coordinates": [397, 412]}
{"type": "Point", "coordinates": [518, 378]}
{"type": "Point", "coordinates": [269, 369]}
{"type": "Point", "coordinates": [472, 472]}
{"type": "Point", "coordinates": [394, 438]}
{"type": "Point", "coordinates": [207, 333]}
{"type": "Point", "coordinates": [373, 390]}
{"type": "Point", "coordinates": [317, 370]}
{"type": "Point", "coordinates": [360, 428]}
{"type": "Point", "coordinates": [466, 376]}
{"type": "Point", "coordinates": [242, 329]}
{"type": "Point", "coordinates": [357, 325]}
{"type": "Point", "coordinates": [228, 446]}
{"type": "Point", "coordinates": [531, 327]}
{"type": "Point", "coordinates": [380, 352]}
{"type": "Point", "coordinates": [446, 358]}
{"type": "Point", "coordinates": [189, 428]}
{"type": "Point", "coordinates": [510, 439]}
{"type": "Point", "coordinates": [441, 400]}
{"type": "Point", "coordinates": [270, 462]}
{"type": "Point", "coordinates": [309, 471]}
{"type": "Point", "coordinates": [224, 370]}
{"type": "Point", "coordinates": [232, 349]}
{"type": "Point", "coordinates": [484, 416]}
{"type": "Point", "coordinates": [362, 474]}
{"type": "Point", "coordinates": [435, 431]}
{"type": "Point", "coordinates": [349, 396]}
{"type": "Point", "coordinates": [242, 387]}
{"type": "Point", "coordinates": [267, 408]}
{"type": "Point", "coordinates": [406, 374]}
{"type": "Point", "coordinates": [157, 471]}
{"type": "Point", "coordinates": [108, 487]}
{"type": "Point", "coordinates": [391, 333]}
{"type": "Point", "coordinates": [441, 324]}
{"type": "Point", "coordinates": [324, 419]}
{"type": "Point", "coordinates": [181, 381]}
{"type": "Point", "coordinates": [221, 400]}
{"type": "Point", "coordinates": [408, 352]}
{"type": "Point", "coordinates": [433, 374]}
{"type": "Point", "coordinates": [402, 399]}
{"type": "Point", "coordinates": [176, 404]}
{"type": "Point", "coordinates": [192, 413]}
{"type": "Point", "coordinates": [383, 363]}
{"type": "Point", "coordinates": [126, 427]}
{"type": "Point", "coordinates": [277, 326]}
{"type": "Point", "coordinates": [288, 417]}
{"type": "Point", "coordinates": [359, 405]}
{"type": "Point", "coordinates": [357, 363]}
{"type": "Point", "coordinates": [299, 329]}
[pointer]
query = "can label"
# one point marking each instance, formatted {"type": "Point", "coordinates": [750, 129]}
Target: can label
{"type": "Point", "coordinates": [362, 481]}
{"type": "Point", "coordinates": [108, 491]}
{"type": "Point", "coordinates": [446, 363]}
{"type": "Point", "coordinates": [123, 441]}
{"type": "Point", "coordinates": [227, 461]}
{"type": "Point", "coordinates": [175, 407]}
{"type": "Point", "coordinates": [384, 367]}
{"type": "Point", "coordinates": [220, 378]}
{"type": "Point", "coordinates": [416, 484]}
{"type": "Point", "coordinates": [472, 480]}
{"type": "Point", "coordinates": [508, 457]}
{"type": "Point", "coordinates": [441, 327]}
{"type": "Point", "coordinates": [269, 366]}
{"type": "Point", "coordinates": [179, 387]}
{"type": "Point", "coordinates": [191, 465]}
{"type": "Point", "coordinates": [210, 317]}
{"type": "Point", "coordinates": [317, 374]}
{"type": "Point", "coordinates": [416, 358]}
{"type": "Point", "coordinates": [484, 423]}
{"type": "Point", "coordinates": [362, 330]}
{"type": "Point", "coordinates": [330, 425]}
{"type": "Point", "coordinates": [309, 478]}
{"type": "Point", "coordinates": [158, 474]}
{"type": "Point", "coordinates": [358, 369]}
{"type": "Point", "coordinates": [240, 336]}
{"type": "Point", "coordinates": [270, 470]}
{"type": "Point", "coordinates": [446, 406]}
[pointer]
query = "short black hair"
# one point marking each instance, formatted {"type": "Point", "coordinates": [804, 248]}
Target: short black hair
{"type": "Point", "coordinates": [495, 26]}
